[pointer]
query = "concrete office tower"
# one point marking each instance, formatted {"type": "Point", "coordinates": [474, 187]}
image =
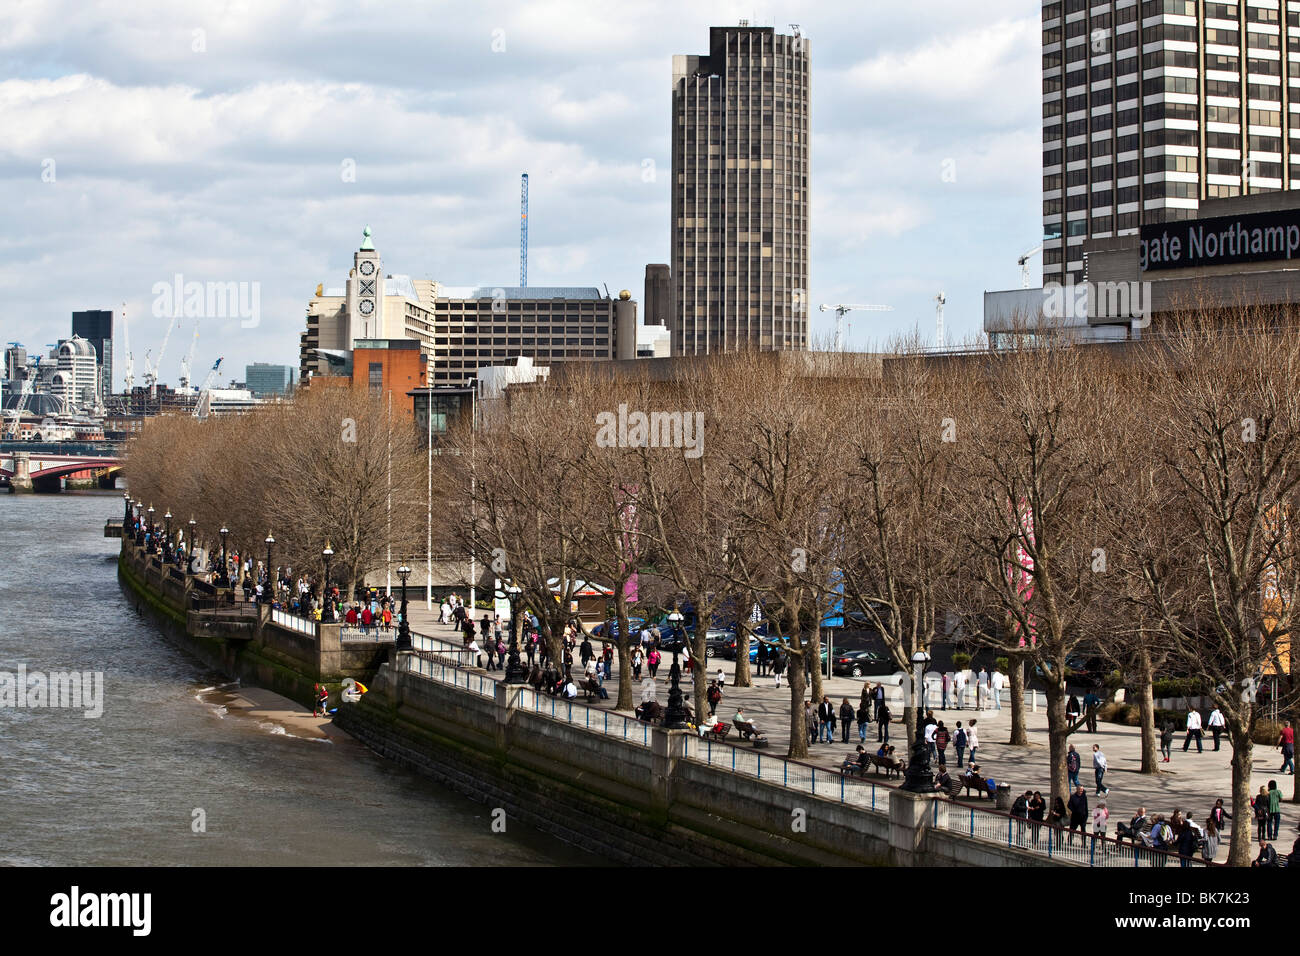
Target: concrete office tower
{"type": "Point", "coordinates": [96, 327]}
{"type": "Point", "coordinates": [658, 299]}
{"type": "Point", "coordinates": [740, 194]}
{"type": "Point", "coordinates": [1150, 108]}
{"type": "Point", "coordinates": [265, 380]}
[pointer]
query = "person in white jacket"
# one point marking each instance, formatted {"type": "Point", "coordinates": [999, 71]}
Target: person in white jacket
{"type": "Point", "coordinates": [997, 681]}
{"type": "Point", "coordinates": [1099, 768]}
{"type": "Point", "coordinates": [959, 681]}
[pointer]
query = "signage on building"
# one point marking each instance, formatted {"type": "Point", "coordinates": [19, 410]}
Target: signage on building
{"type": "Point", "coordinates": [1220, 240]}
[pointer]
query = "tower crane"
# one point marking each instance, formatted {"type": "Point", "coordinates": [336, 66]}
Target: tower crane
{"type": "Point", "coordinates": [151, 373]}
{"type": "Point", "coordinates": [839, 311]}
{"type": "Point", "coordinates": [203, 402]}
{"type": "Point", "coordinates": [1023, 262]}
{"type": "Point", "coordinates": [187, 362]}
{"type": "Point", "coordinates": [939, 300]}
{"type": "Point", "coordinates": [523, 231]}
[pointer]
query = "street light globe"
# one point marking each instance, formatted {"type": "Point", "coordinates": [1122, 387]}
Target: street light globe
{"type": "Point", "coordinates": [224, 530]}
{"type": "Point", "coordinates": [269, 538]}
{"type": "Point", "coordinates": [675, 616]}
{"type": "Point", "coordinates": [168, 515]}
{"type": "Point", "coordinates": [403, 571]}
{"type": "Point", "coordinates": [920, 657]}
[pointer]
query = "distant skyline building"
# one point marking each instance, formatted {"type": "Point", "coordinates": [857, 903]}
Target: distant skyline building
{"type": "Point", "coordinates": [739, 229]}
{"type": "Point", "coordinates": [1151, 108]}
{"type": "Point", "coordinates": [265, 380]}
{"type": "Point", "coordinates": [657, 301]}
{"type": "Point", "coordinates": [96, 327]}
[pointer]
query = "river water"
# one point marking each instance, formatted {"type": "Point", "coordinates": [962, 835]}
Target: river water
{"type": "Point", "coordinates": [124, 788]}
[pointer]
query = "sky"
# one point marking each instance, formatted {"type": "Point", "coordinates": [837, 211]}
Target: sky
{"type": "Point", "coordinates": [250, 142]}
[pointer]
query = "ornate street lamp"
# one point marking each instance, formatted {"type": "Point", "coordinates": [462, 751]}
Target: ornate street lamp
{"type": "Point", "coordinates": [126, 501]}
{"type": "Point", "coordinates": [675, 715]}
{"type": "Point", "coordinates": [194, 525]}
{"type": "Point", "coordinates": [515, 673]}
{"type": "Point", "coordinates": [167, 542]}
{"type": "Point", "coordinates": [225, 568]}
{"type": "Point", "coordinates": [920, 779]}
{"type": "Point", "coordinates": [404, 629]}
{"type": "Point", "coordinates": [327, 615]}
{"type": "Point", "coordinates": [153, 542]}
{"type": "Point", "coordinates": [270, 579]}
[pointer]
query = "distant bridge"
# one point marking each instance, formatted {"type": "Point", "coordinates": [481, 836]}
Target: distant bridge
{"type": "Point", "coordinates": [40, 466]}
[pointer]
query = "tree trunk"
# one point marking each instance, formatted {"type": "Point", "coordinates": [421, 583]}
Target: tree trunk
{"type": "Point", "coordinates": [624, 651]}
{"type": "Point", "coordinates": [798, 726]}
{"type": "Point", "coordinates": [1058, 736]}
{"type": "Point", "coordinates": [742, 678]}
{"type": "Point", "coordinates": [1147, 713]}
{"type": "Point", "coordinates": [1019, 735]}
{"type": "Point", "coordinates": [813, 650]}
{"type": "Point", "coordinates": [1239, 849]}
{"type": "Point", "coordinates": [700, 674]}
{"type": "Point", "coordinates": [624, 674]}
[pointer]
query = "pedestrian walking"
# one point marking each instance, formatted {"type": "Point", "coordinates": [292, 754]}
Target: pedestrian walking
{"type": "Point", "coordinates": [1099, 817]}
{"type": "Point", "coordinates": [778, 668]}
{"type": "Point", "coordinates": [1078, 807]}
{"type": "Point", "coordinates": [1286, 743]}
{"type": "Point", "coordinates": [941, 739]}
{"type": "Point", "coordinates": [959, 741]}
{"type": "Point", "coordinates": [1193, 731]}
{"type": "Point", "coordinates": [882, 723]}
{"type": "Point", "coordinates": [1216, 724]}
{"type": "Point", "coordinates": [997, 681]}
{"type": "Point", "coordinates": [1274, 810]}
{"type": "Point", "coordinates": [1167, 741]}
{"type": "Point", "coordinates": [1259, 806]}
{"type": "Point", "coordinates": [864, 718]}
{"type": "Point", "coordinates": [1072, 764]}
{"type": "Point", "coordinates": [1210, 849]}
{"type": "Point", "coordinates": [846, 720]}
{"type": "Point", "coordinates": [959, 686]}
{"type": "Point", "coordinates": [1099, 768]}
{"type": "Point", "coordinates": [946, 681]}
{"type": "Point", "coordinates": [826, 716]}
{"type": "Point", "coordinates": [972, 741]}
{"type": "Point", "coordinates": [1072, 709]}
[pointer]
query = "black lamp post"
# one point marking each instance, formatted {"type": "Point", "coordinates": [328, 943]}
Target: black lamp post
{"type": "Point", "coordinates": [153, 531]}
{"type": "Point", "coordinates": [515, 673]}
{"type": "Point", "coordinates": [675, 715]}
{"type": "Point", "coordinates": [167, 541]}
{"type": "Point", "coordinates": [270, 580]}
{"type": "Point", "coordinates": [194, 530]}
{"type": "Point", "coordinates": [327, 614]}
{"type": "Point", "coordinates": [404, 629]}
{"type": "Point", "coordinates": [225, 568]}
{"type": "Point", "coordinates": [126, 502]}
{"type": "Point", "coordinates": [138, 516]}
{"type": "Point", "coordinates": [919, 779]}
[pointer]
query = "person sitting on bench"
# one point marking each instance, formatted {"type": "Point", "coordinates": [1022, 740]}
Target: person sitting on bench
{"type": "Point", "coordinates": [740, 718]}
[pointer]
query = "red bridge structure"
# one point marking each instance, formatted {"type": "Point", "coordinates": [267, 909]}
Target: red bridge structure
{"type": "Point", "coordinates": [51, 466]}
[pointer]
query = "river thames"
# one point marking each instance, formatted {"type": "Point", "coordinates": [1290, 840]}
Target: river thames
{"type": "Point", "coordinates": [123, 789]}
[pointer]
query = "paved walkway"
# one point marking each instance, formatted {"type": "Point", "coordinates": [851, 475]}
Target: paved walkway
{"type": "Point", "coordinates": [1190, 782]}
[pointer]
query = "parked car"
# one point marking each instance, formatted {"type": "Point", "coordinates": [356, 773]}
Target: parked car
{"type": "Point", "coordinates": [863, 663]}
{"type": "Point", "coordinates": [634, 624]}
{"type": "Point", "coordinates": [1088, 671]}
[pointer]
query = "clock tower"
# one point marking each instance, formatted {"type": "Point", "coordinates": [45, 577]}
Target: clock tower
{"type": "Point", "coordinates": [365, 293]}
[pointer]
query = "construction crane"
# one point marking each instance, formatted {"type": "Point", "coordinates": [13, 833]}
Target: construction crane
{"type": "Point", "coordinates": [151, 370]}
{"type": "Point", "coordinates": [523, 231]}
{"type": "Point", "coordinates": [186, 363]}
{"type": "Point", "coordinates": [939, 300]}
{"type": "Point", "coordinates": [128, 373]}
{"type": "Point", "coordinates": [204, 401]}
{"type": "Point", "coordinates": [1023, 262]}
{"type": "Point", "coordinates": [30, 375]}
{"type": "Point", "coordinates": [839, 311]}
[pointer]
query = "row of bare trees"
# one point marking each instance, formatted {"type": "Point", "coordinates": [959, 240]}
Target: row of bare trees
{"type": "Point", "coordinates": [1043, 501]}
{"type": "Point", "coordinates": [336, 465]}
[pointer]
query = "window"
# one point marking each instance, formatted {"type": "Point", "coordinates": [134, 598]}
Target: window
{"type": "Point", "coordinates": [376, 376]}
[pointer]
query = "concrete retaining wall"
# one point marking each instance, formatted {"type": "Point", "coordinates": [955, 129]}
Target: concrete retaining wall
{"type": "Point", "coordinates": [638, 804]}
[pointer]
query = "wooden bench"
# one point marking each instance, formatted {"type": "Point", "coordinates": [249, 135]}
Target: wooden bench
{"type": "Point", "coordinates": [852, 768]}
{"type": "Point", "coordinates": [749, 732]}
{"type": "Point", "coordinates": [718, 735]}
{"type": "Point", "coordinates": [953, 788]}
{"type": "Point", "coordinates": [590, 687]}
{"type": "Point", "coordinates": [1140, 837]}
{"type": "Point", "coordinates": [973, 781]}
{"type": "Point", "coordinates": [890, 766]}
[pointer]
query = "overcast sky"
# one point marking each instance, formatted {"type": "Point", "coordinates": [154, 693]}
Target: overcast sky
{"type": "Point", "coordinates": [212, 140]}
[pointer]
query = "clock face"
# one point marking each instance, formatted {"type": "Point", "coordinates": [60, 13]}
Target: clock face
{"type": "Point", "coordinates": [367, 267]}
{"type": "Point", "coordinates": [367, 306]}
